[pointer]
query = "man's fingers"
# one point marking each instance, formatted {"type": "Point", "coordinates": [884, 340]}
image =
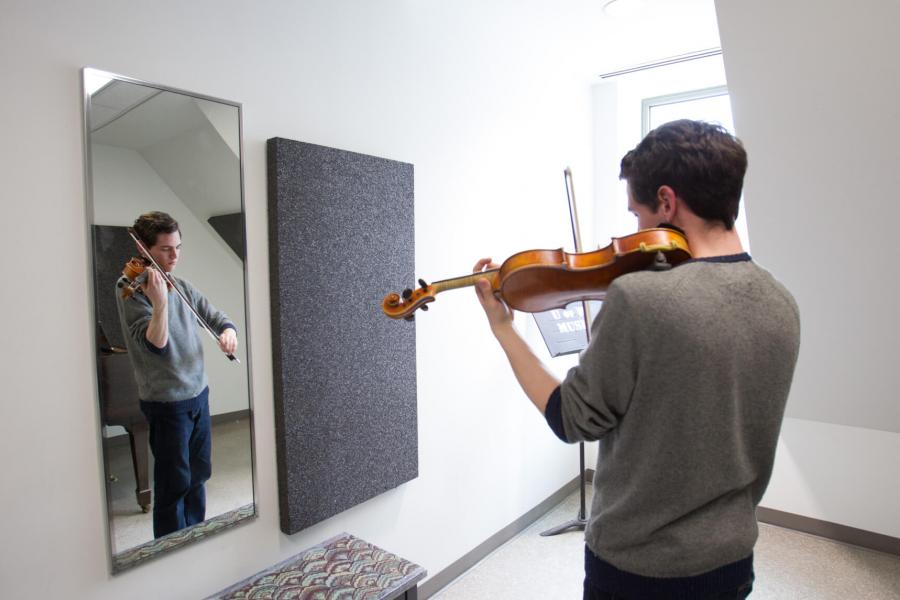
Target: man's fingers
{"type": "Point", "coordinates": [484, 291]}
{"type": "Point", "coordinates": [479, 266]}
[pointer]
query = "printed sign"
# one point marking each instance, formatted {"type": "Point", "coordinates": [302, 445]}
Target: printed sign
{"type": "Point", "coordinates": [564, 329]}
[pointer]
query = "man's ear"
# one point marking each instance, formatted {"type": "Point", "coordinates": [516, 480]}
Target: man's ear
{"type": "Point", "coordinates": [668, 202]}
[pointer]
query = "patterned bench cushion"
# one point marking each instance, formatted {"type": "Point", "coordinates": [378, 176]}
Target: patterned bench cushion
{"type": "Point", "coordinates": [344, 567]}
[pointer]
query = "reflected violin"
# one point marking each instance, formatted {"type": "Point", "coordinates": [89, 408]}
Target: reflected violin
{"type": "Point", "coordinates": [133, 271]}
{"type": "Point", "coordinates": [538, 280]}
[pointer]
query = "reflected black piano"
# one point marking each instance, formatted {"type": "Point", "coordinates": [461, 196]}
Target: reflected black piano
{"type": "Point", "coordinates": [119, 405]}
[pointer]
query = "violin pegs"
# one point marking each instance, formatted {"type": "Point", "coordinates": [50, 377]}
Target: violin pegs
{"type": "Point", "coordinates": [407, 294]}
{"type": "Point", "coordinates": [410, 318]}
{"type": "Point", "coordinates": [422, 284]}
{"type": "Point", "coordinates": [424, 307]}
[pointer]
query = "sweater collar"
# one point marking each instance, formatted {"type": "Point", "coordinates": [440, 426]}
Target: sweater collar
{"type": "Point", "coordinates": [728, 258]}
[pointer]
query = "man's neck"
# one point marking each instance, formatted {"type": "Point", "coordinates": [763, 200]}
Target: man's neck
{"type": "Point", "coordinates": [713, 241]}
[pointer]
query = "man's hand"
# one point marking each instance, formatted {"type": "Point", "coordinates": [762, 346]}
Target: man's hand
{"type": "Point", "coordinates": [228, 341]}
{"type": "Point", "coordinates": [157, 291]}
{"type": "Point", "coordinates": [155, 288]}
{"type": "Point", "coordinates": [498, 313]}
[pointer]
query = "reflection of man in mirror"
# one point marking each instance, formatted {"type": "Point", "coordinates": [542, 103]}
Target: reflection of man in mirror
{"type": "Point", "coordinates": [166, 352]}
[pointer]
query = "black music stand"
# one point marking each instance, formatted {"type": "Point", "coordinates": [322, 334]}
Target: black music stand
{"type": "Point", "coordinates": [564, 332]}
{"type": "Point", "coordinates": [579, 522]}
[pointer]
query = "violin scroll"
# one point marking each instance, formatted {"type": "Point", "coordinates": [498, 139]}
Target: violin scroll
{"type": "Point", "coordinates": [404, 306]}
{"type": "Point", "coordinates": [132, 271]}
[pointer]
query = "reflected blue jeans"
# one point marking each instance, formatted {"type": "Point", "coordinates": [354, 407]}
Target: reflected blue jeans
{"type": "Point", "coordinates": [181, 442]}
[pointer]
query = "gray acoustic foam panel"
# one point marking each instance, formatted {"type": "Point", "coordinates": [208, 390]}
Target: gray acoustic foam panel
{"type": "Point", "coordinates": [112, 249]}
{"type": "Point", "coordinates": [341, 235]}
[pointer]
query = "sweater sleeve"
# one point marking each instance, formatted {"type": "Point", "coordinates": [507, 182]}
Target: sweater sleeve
{"type": "Point", "coordinates": [553, 414]}
{"type": "Point", "coordinates": [135, 313]}
{"type": "Point", "coordinates": [216, 319]}
{"type": "Point", "coordinates": [595, 394]}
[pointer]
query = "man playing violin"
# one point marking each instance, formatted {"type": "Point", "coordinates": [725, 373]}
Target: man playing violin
{"type": "Point", "coordinates": [167, 356]}
{"type": "Point", "coordinates": [684, 384]}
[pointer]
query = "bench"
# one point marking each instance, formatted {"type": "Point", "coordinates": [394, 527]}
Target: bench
{"type": "Point", "coordinates": [341, 568]}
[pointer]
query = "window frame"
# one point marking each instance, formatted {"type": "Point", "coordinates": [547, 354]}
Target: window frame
{"type": "Point", "coordinates": [648, 103]}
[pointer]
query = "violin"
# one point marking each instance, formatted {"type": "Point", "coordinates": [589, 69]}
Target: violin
{"type": "Point", "coordinates": [539, 280]}
{"type": "Point", "coordinates": [132, 271]}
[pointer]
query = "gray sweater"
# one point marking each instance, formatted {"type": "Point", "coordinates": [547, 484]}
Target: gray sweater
{"type": "Point", "coordinates": [684, 384]}
{"type": "Point", "coordinates": [176, 371]}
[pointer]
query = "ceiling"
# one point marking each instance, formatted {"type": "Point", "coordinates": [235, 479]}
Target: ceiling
{"type": "Point", "coordinates": [623, 33]}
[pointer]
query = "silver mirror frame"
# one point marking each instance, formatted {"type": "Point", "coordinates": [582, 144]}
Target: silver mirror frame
{"type": "Point", "coordinates": [139, 554]}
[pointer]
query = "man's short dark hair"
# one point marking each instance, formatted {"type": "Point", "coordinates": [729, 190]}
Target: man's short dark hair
{"type": "Point", "coordinates": [702, 162]}
{"type": "Point", "coordinates": [149, 225]}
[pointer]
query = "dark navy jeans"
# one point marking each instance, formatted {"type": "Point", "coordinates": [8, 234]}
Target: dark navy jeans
{"type": "Point", "coordinates": [180, 439]}
{"type": "Point", "coordinates": [604, 581]}
{"type": "Point", "coordinates": [738, 594]}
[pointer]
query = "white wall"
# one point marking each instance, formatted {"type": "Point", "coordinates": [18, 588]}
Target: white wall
{"type": "Point", "coordinates": [224, 119]}
{"type": "Point", "coordinates": [837, 473]}
{"type": "Point", "coordinates": [814, 93]}
{"type": "Point", "coordinates": [482, 99]}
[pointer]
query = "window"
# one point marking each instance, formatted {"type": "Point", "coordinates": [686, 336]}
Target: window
{"type": "Point", "coordinates": [711, 105]}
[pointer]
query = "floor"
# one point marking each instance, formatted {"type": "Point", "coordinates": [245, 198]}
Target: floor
{"type": "Point", "coordinates": [230, 487]}
{"type": "Point", "coordinates": [789, 566]}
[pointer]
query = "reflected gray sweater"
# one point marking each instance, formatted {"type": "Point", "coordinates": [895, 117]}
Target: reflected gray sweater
{"type": "Point", "coordinates": [176, 371]}
{"type": "Point", "coordinates": [684, 384]}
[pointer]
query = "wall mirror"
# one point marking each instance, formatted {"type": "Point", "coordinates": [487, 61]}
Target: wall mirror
{"type": "Point", "coordinates": [174, 473]}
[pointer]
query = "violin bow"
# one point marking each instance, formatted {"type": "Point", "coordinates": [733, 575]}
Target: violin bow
{"type": "Point", "coordinates": [146, 252]}
{"type": "Point", "coordinates": [576, 235]}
